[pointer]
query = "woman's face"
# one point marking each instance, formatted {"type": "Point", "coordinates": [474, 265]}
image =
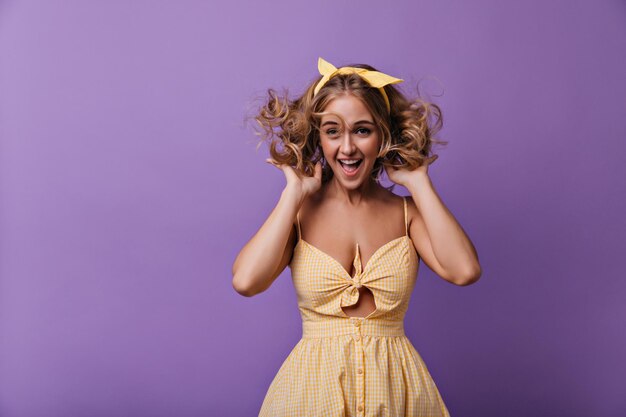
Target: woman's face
{"type": "Point", "coordinates": [350, 140]}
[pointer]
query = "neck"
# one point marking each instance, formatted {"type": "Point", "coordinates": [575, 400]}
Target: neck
{"type": "Point", "coordinates": [352, 197]}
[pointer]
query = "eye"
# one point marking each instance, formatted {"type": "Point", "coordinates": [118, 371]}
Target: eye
{"type": "Point", "coordinates": [332, 132]}
{"type": "Point", "coordinates": [364, 130]}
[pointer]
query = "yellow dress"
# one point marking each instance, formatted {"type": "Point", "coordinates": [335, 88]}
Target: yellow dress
{"type": "Point", "coordinates": [353, 366]}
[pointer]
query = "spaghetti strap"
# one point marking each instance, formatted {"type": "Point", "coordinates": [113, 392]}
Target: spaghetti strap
{"type": "Point", "coordinates": [406, 224]}
{"type": "Point", "coordinates": [298, 223]}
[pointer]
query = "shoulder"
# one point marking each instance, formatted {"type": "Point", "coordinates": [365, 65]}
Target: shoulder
{"type": "Point", "coordinates": [394, 200]}
{"type": "Point", "coordinates": [413, 213]}
{"type": "Point", "coordinates": [309, 206]}
{"type": "Point", "coordinates": [310, 203]}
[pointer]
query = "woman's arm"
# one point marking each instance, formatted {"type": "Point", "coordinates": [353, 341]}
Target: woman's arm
{"type": "Point", "coordinates": [440, 239]}
{"type": "Point", "coordinates": [437, 236]}
{"type": "Point", "coordinates": [267, 254]}
{"type": "Point", "coordinates": [269, 251]}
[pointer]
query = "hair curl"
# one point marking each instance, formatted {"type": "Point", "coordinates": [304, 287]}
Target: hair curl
{"type": "Point", "coordinates": [291, 127]}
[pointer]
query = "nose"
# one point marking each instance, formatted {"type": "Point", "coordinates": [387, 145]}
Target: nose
{"type": "Point", "coordinates": [347, 144]}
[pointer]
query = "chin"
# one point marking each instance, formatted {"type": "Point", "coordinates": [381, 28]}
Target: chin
{"type": "Point", "coordinates": [351, 184]}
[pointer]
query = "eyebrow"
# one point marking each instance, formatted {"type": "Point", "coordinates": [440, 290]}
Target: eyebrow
{"type": "Point", "coordinates": [332, 122]}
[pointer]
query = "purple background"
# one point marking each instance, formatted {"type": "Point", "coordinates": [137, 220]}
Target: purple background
{"type": "Point", "coordinates": [129, 182]}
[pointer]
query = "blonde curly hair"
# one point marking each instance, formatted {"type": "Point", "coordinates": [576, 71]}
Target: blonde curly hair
{"type": "Point", "coordinates": [291, 128]}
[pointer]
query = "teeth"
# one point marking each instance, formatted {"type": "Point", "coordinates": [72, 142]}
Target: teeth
{"type": "Point", "coordinates": [349, 161]}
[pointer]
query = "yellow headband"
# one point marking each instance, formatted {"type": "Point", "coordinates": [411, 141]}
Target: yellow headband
{"type": "Point", "coordinates": [373, 78]}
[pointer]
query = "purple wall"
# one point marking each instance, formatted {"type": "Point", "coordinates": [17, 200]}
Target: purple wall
{"type": "Point", "coordinates": [128, 184]}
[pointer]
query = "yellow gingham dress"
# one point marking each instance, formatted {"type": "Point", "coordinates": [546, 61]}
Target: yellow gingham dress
{"type": "Point", "coordinates": [353, 366]}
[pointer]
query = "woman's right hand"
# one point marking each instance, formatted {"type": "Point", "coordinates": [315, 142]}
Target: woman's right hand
{"type": "Point", "coordinates": [300, 183]}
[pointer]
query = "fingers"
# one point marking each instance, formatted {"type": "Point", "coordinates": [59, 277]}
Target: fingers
{"type": "Point", "coordinates": [390, 169]}
{"type": "Point", "coordinates": [318, 170]}
{"type": "Point", "coordinates": [271, 162]}
{"type": "Point", "coordinates": [290, 174]}
{"type": "Point", "coordinates": [282, 167]}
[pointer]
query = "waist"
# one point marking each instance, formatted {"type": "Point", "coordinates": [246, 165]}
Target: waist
{"type": "Point", "coordinates": [337, 326]}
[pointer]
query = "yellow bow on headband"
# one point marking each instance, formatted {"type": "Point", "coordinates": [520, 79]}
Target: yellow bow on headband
{"type": "Point", "coordinates": [374, 78]}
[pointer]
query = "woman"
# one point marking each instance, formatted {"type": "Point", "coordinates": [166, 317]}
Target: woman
{"type": "Point", "coordinates": [352, 245]}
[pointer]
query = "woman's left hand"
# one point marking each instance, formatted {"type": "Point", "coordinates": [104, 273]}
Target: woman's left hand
{"type": "Point", "coordinates": [403, 176]}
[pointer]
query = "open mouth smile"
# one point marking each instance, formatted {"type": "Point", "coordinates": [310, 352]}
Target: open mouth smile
{"type": "Point", "coordinates": [350, 167]}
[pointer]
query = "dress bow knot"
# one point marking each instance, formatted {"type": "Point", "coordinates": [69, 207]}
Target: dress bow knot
{"type": "Point", "coordinates": [351, 292]}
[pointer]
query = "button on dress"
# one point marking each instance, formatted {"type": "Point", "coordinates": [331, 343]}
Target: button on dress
{"type": "Point", "coordinates": [354, 366]}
